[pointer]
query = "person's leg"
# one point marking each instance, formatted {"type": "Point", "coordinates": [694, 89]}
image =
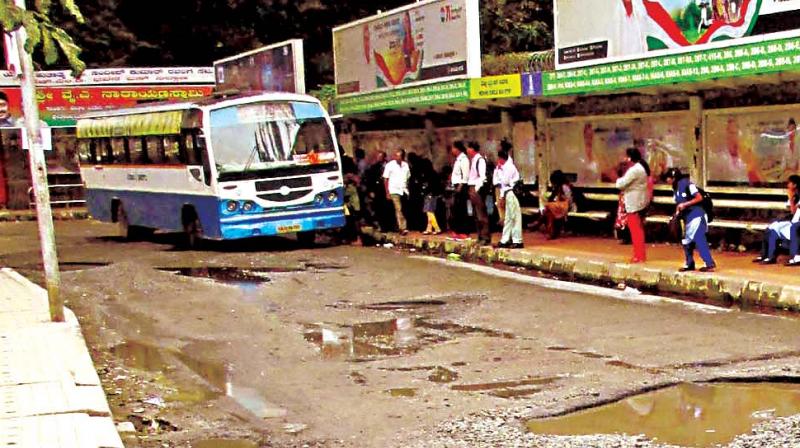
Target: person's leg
{"type": "Point", "coordinates": [772, 244]}
{"type": "Point", "coordinates": [479, 212]}
{"type": "Point", "coordinates": [513, 209]}
{"type": "Point", "coordinates": [637, 237]}
{"type": "Point", "coordinates": [794, 240]}
{"type": "Point", "coordinates": [702, 245]}
{"type": "Point", "coordinates": [398, 212]}
{"type": "Point", "coordinates": [688, 254]}
{"type": "Point", "coordinates": [433, 223]}
{"type": "Point", "coordinates": [501, 209]}
{"type": "Point", "coordinates": [508, 222]}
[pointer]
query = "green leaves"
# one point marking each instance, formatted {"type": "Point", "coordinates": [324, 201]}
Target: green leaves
{"type": "Point", "coordinates": [43, 32]}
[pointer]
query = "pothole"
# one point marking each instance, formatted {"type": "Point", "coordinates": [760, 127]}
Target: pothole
{"type": "Point", "coordinates": [229, 275]}
{"type": "Point", "coordinates": [401, 336]}
{"type": "Point", "coordinates": [402, 392]}
{"type": "Point", "coordinates": [218, 376]}
{"type": "Point", "coordinates": [442, 375]}
{"type": "Point", "coordinates": [427, 302]}
{"type": "Point", "coordinates": [508, 389]}
{"type": "Point", "coordinates": [692, 415]}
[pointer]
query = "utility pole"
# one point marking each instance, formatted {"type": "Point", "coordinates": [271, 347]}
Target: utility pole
{"type": "Point", "coordinates": [44, 214]}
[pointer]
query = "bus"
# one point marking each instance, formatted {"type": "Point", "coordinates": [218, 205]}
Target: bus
{"type": "Point", "coordinates": [219, 168]}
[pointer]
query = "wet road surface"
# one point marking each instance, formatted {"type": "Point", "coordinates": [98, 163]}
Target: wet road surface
{"type": "Point", "coordinates": [265, 342]}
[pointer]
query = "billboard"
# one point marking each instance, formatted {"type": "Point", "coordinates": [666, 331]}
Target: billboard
{"type": "Point", "coordinates": [429, 41]}
{"type": "Point", "coordinates": [590, 32]}
{"type": "Point", "coordinates": [274, 68]}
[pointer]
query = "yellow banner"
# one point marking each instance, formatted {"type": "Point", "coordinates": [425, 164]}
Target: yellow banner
{"type": "Point", "coordinates": [156, 123]}
{"type": "Point", "coordinates": [501, 86]}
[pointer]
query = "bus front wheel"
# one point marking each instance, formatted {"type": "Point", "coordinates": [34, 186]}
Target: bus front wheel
{"type": "Point", "coordinates": [191, 228]}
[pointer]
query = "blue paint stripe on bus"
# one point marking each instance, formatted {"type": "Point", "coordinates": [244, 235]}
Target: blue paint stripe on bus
{"type": "Point", "coordinates": [163, 211]}
{"type": "Point", "coordinates": [156, 210]}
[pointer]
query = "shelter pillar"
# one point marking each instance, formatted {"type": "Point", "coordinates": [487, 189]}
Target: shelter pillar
{"type": "Point", "coordinates": [542, 152]}
{"type": "Point", "coordinates": [698, 153]}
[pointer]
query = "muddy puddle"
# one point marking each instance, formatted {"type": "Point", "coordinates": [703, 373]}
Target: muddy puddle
{"type": "Point", "coordinates": [395, 337]}
{"type": "Point", "coordinates": [521, 388]}
{"type": "Point", "coordinates": [228, 275]}
{"type": "Point", "coordinates": [218, 377]}
{"type": "Point", "coordinates": [691, 415]}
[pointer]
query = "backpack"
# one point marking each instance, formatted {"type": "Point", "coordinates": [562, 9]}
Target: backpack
{"type": "Point", "coordinates": [707, 203]}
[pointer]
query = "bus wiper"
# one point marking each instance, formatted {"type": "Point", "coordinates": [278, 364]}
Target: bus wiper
{"type": "Point", "coordinates": [250, 158]}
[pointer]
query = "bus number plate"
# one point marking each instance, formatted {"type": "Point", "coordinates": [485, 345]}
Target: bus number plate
{"type": "Point", "coordinates": [290, 228]}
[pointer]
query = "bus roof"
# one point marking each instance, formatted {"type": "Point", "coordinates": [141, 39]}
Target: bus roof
{"type": "Point", "coordinates": [207, 102]}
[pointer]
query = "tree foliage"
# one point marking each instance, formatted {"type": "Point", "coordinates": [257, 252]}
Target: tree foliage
{"type": "Point", "coordinates": [44, 34]}
{"type": "Point", "coordinates": [197, 32]}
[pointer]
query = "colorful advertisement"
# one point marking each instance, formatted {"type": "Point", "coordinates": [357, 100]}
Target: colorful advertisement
{"type": "Point", "coordinates": [60, 106]}
{"type": "Point", "coordinates": [589, 32]}
{"type": "Point", "coordinates": [275, 68]}
{"type": "Point", "coordinates": [431, 40]}
{"type": "Point", "coordinates": [753, 149]}
{"type": "Point", "coordinates": [591, 149]}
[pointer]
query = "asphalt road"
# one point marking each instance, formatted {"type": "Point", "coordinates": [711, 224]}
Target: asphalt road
{"type": "Point", "coordinates": [368, 347]}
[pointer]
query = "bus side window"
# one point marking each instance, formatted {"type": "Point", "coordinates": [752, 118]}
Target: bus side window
{"type": "Point", "coordinates": [172, 152]}
{"type": "Point", "coordinates": [138, 150]}
{"type": "Point", "coordinates": [87, 152]}
{"type": "Point", "coordinates": [118, 150]}
{"type": "Point", "coordinates": [183, 151]}
{"type": "Point", "coordinates": [106, 152]}
{"type": "Point", "coordinates": [155, 150]}
{"type": "Point", "coordinates": [196, 155]}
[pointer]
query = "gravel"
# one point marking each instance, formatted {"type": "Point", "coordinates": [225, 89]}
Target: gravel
{"type": "Point", "coordinates": [485, 431]}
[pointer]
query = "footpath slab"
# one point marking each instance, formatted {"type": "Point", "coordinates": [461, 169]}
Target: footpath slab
{"type": "Point", "coordinates": [603, 260]}
{"type": "Point", "coordinates": [50, 393]}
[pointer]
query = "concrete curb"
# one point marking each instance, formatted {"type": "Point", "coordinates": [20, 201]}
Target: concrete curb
{"type": "Point", "coordinates": [30, 215]}
{"type": "Point", "coordinates": [748, 292]}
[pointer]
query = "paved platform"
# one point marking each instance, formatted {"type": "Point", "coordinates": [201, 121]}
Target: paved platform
{"type": "Point", "coordinates": [596, 259]}
{"type": "Point", "coordinates": [50, 393]}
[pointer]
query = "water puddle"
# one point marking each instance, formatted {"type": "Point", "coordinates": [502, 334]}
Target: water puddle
{"type": "Point", "coordinates": [396, 337]}
{"type": "Point", "coordinates": [692, 415]}
{"type": "Point", "coordinates": [403, 392]}
{"type": "Point", "coordinates": [507, 389]}
{"type": "Point", "coordinates": [224, 443]}
{"type": "Point", "coordinates": [427, 302]}
{"type": "Point", "coordinates": [629, 366]}
{"type": "Point", "coordinates": [219, 377]}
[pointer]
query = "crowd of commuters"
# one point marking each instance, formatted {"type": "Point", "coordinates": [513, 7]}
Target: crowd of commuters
{"type": "Point", "coordinates": [473, 196]}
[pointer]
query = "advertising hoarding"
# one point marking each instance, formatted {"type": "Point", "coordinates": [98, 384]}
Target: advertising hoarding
{"type": "Point", "coordinates": [590, 32]}
{"type": "Point", "coordinates": [117, 76]}
{"type": "Point", "coordinates": [274, 68]}
{"type": "Point", "coordinates": [429, 41]}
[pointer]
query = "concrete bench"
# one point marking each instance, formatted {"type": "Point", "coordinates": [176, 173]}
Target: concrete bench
{"type": "Point", "coordinates": [717, 223]}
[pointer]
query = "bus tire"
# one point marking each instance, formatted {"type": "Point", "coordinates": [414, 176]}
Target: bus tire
{"type": "Point", "coordinates": [307, 239]}
{"type": "Point", "coordinates": [123, 227]}
{"type": "Point", "coordinates": [191, 228]}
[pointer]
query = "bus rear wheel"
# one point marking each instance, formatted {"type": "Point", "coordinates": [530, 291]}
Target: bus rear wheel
{"type": "Point", "coordinates": [191, 228]}
{"type": "Point", "coordinates": [126, 230]}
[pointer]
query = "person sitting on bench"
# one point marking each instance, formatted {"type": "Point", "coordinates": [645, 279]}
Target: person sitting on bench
{"type": "Point", "coordinates": [559, 204]}
{"type": "Point", "coordinates": [783, 232]}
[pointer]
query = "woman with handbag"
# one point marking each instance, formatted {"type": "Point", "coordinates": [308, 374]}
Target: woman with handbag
{"type": "Point", "coordinates": [633, 186]}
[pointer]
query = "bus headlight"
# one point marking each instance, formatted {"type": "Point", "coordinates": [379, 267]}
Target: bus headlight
{"type": "Point", "coordinates": [318, 199]}
{"type": "Point", "coordinates": [332, 196]}
{"type": "Point", "coordinates": [248, 206]}
{"type": "Point", "coordinates": [231, 206]}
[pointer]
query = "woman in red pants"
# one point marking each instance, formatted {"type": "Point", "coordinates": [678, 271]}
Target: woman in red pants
{"type": "Point", "coordinates": [633, 186]}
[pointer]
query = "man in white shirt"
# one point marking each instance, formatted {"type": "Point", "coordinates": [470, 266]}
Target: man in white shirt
{"type": "Point", "coordinates": [458, 180]}
{"type": "Point", "coordinates": [395, 178]}
{"type": "Point", "coordinates": [477, 184]}
{"type": "Point", "coordinates": [512, 224]}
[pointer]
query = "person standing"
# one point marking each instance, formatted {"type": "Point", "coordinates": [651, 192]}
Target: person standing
{"type": "Point", "coordinates": [689, 207]}
{"type": "Point", "coordinates": [512, 219]}
{"type": "Point", "coordinates": [633, 185]}
{"type": "Point", "coordinates": [458, 181]}
{"type": "Point", "coordinates": [477, 185]}
{"type": "Point", "coordinates": [395, 177]}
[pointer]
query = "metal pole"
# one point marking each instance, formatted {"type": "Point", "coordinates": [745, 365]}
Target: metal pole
{"type": "Point", "coordinates": [44, 214]}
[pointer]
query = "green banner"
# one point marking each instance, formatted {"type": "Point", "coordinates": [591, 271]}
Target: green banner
{"type": "Point", "coordinates": [439, 93]}
{"type": "Point", "coordinates": [756, 58]}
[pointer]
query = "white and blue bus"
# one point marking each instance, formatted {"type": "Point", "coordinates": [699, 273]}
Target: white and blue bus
{"type": "Point", "coordinates": [221, 168]}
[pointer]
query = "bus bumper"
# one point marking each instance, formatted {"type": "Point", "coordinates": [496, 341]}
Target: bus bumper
{"type": "Point", "coordinates": [248, 227]}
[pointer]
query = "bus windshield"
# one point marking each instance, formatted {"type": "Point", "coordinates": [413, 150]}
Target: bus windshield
{"type": "Point", "coordinates": [269, 135]}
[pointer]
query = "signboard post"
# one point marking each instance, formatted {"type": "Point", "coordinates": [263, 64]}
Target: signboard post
{"type": "Point", "coordinates": [274, 68]}
{"type": "Point", "coordinates": [422, 43]}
